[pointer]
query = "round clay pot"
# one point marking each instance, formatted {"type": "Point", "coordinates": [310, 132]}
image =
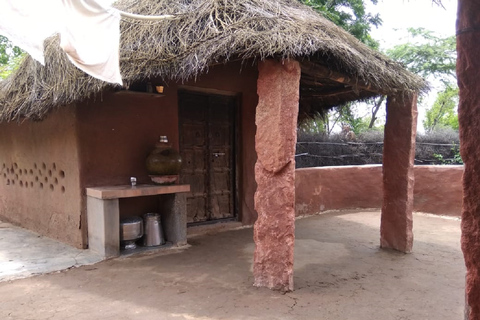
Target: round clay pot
{"type": "Point", "coordinates": [163, 160]}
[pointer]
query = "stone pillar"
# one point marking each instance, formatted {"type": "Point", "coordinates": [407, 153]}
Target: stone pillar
{"type": "Point", "coordinates": [468, 77]}
{"type": "Point", "coordinates": [275, 139]}
{"type": "Point", "coordinates": [398, 155]}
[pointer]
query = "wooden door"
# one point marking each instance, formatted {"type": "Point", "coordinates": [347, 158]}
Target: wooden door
{"type": "Point", "coordinates": [207, 135]}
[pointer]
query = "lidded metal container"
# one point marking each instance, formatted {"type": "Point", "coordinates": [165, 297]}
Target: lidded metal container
{"type": "Point", "coordinates": [153, 233]}
{"type": "Point", "coordinates": [131, 229]}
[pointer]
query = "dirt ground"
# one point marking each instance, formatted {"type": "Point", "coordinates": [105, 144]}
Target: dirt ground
{"type": "Point", "coordinates": [340, 273]}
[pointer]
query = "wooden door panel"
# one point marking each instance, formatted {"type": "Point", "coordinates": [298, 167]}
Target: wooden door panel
{"type": "Point", "coordinates": [193, 160]}
{"type": "Point", "coordinates": [206, 145]}
{"type": "Point", "coordinates": [194, 135]}
{"type": "Point", "coordinates": [196, 209]}
{"type": "Point", "coordinates": [220, 182]}
{"type": "Point", "coordinates": [220, 205]}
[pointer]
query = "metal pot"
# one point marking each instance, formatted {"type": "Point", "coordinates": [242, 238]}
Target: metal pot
{"type": "Point", "coordinates": [153, 230]}
{"type": "Point", "coordinates": [131, 229]}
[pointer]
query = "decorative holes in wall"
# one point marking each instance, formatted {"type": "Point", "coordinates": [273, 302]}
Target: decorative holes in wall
{"type": "Point", "coordinates": [33, 176]}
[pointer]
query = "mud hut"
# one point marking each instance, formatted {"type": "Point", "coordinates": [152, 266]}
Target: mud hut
{"type": "Point", "coordinates": [235, 75]}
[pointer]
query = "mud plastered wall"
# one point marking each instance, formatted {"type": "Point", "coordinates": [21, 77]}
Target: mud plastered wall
{"type": "Point", "coordinates": [39, 183]}
{"type": "Point", "coordinates": [438, 189]}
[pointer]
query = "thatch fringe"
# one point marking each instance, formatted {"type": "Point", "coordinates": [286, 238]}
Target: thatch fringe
{"type": "Point", "coordinates": [203, 33]}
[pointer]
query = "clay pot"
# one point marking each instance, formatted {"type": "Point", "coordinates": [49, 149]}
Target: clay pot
{"type": "Point", "coordinates": [163, 160]}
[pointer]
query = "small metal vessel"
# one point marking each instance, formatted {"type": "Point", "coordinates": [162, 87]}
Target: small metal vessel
{"type": "Point", "coordinates": [131, 229]}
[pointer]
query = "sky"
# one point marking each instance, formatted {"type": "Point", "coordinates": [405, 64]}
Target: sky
{"type": "Point", "coordinates": [402, 14]}
{"type": "Point", "coordinates": [398, 15]}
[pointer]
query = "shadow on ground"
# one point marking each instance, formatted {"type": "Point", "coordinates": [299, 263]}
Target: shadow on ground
{"type": "Point", "coordinates": [340, 273]}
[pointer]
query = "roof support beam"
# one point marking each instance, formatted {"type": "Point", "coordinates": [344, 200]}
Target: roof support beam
{"type": "Point", "coordinates": [319, 71]}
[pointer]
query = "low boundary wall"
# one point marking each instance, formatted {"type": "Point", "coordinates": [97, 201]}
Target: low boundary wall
{"type": "Point", "coordinates": [438, 189]}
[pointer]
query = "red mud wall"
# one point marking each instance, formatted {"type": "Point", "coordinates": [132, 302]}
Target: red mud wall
{"type": "Point", "coordinates": [117, 133]}
{"type": "Point", "coordinates": [438, 189]}
{"type": "Point", "coordinates": [46, 166]}
{"type": "Point", "coordinates": [39, 176]}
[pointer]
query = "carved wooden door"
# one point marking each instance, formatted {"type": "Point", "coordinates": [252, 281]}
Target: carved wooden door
{"type": "Point", "coordinates": [207, 147]}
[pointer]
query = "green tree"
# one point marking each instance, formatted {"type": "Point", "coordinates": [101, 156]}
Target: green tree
{"type": "Point", "coordinates": [10, 57]}
{"type": "Point", "coordinates": [434, 58]}
{"type": "Point", "coordinates": [427, 55]}
{"type": "Point", "coordinates": [350, 15]}
{"type": "Point", "coordinates": [442, 113]}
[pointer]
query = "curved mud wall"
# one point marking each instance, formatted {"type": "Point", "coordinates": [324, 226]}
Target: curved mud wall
{"type": "Point", "coordinates": [438, 189]}
{"type": "Point", "coordinates": [39, 176]}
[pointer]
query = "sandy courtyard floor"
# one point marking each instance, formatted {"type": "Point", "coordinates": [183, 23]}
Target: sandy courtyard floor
{"type": "Point", "coordinates": [340, 273]}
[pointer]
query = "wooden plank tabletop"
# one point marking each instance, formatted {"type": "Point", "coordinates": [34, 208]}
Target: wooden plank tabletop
{"type": "Point", "coordinates": [127, 191]}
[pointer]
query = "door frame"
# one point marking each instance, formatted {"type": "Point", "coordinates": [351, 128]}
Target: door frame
{"type": "Point", "coordinates": [236, 147]}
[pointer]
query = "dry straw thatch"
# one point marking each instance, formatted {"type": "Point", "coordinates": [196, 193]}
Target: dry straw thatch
{"type": "Point", "coordinates": [204, 33]}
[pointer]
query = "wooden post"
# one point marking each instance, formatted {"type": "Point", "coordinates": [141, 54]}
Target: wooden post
{"type": "Point", "coordinates": [468, 77]}
{"type": "Point", "coordinates": [275, 139]}
{"type": "Point", "coordinates": [398, 180]}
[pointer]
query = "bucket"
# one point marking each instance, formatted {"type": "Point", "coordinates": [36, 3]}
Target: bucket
{"type": "Point", "coordinates": [153, 234]}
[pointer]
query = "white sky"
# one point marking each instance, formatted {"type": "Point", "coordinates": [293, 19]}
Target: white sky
{"type": "Point", "coordinates": [402, 14]}
{"type": "Point", "coordinates": [398, 15]}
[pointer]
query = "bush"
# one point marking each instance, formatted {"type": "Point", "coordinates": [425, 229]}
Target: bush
{"type": "Point", "coordinates": [438, 147]}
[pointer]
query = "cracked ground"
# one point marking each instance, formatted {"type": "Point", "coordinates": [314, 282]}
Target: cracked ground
{"type": "Point", "coordinates": [340, 273]}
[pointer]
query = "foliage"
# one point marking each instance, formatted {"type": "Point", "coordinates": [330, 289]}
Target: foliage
{"type": "Point", "coordinates": [315, 125]}
{"type": "Point", "coordinates": [351, 15]}
{"type": "Point", "coordinates": [427, 54]}
{"type": "Point", "coordinates": [10, 57]}
{"type": "Point", "coordinates": [457, 158]}
{"type": "Point", "coordinates": [440, 146]}
{"type": "Point", "coordinates": [442, 113]}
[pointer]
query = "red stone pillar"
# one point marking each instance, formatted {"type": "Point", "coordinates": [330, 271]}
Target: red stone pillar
{"type": "Point", "coordinates": [398, 155]}
{"type": "Point", "coordinates": [275, 139]}
{"type": "Point", "coordinates": [468, 76]}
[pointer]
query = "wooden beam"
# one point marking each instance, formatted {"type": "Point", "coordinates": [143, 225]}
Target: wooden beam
{"type": "Point", "coordinates": [319, 71]}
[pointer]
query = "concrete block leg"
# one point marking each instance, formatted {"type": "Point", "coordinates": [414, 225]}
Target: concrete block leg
{"type": "Point", "coordinates": [173, 209]}
{"type": "Point", "coordinates": [103, 227]}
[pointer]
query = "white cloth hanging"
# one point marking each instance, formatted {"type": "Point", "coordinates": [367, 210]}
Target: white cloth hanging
{"type": "Point", "coordinates": [89, 32]}
{"type": "Point", "coordinates": [91, 37]}
{"type": "Point", "coordinates": [27, 23]}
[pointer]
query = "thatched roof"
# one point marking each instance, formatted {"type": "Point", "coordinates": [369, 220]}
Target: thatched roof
{"type": "Point", "coordinates": [207, 32]}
